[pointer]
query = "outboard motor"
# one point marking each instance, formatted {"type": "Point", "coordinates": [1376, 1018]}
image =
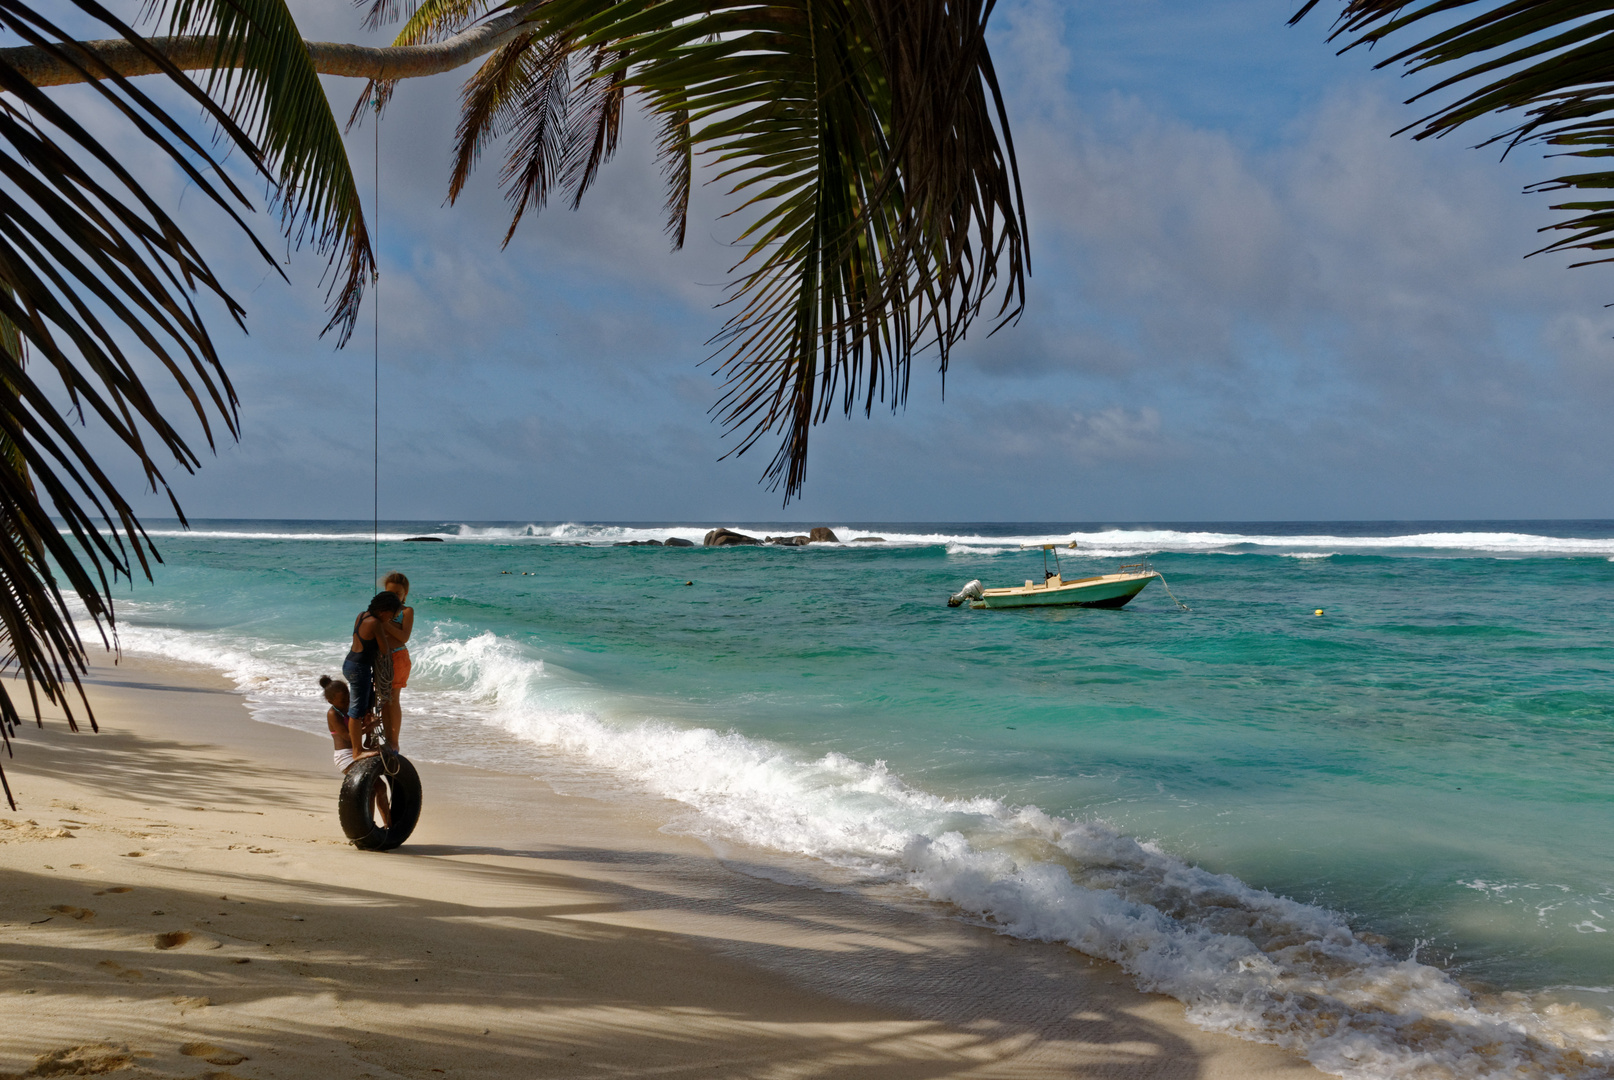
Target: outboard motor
{"type": "Point", "coordinates": [972, 591]}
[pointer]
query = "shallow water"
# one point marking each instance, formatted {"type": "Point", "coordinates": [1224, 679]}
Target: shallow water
{"type": "Point", "coordinates": [1314, 830]}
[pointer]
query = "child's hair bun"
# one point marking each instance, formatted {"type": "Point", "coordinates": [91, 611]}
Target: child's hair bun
{"type": "Point", "coordinates": [324, 681]}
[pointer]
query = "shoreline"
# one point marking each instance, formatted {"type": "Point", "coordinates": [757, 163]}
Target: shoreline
{"type": "Point", "coordinates": [518, 930]}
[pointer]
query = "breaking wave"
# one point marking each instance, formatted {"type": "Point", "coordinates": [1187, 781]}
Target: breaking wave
{"type": "Point", "coordinates": [1102, 543]}
{"type": "Point", "coordinates": [1244, 961]}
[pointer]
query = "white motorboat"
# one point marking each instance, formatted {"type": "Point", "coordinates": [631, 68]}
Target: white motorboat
{"type": "Point", "coordinates": [1101, 590]}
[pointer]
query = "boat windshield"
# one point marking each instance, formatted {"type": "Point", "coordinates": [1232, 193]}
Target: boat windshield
{"type": "Point", "coordinates": [1057, 571]}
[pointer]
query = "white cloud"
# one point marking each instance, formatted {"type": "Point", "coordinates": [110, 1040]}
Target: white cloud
{"type": "Point", "coordinates": [1323, 321]}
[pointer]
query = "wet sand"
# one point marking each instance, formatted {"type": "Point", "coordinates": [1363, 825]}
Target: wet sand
{"type": "Point", "coordinates": [180, 902]}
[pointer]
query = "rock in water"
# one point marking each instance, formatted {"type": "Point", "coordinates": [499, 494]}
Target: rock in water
{"type": "Point", "coordinates": [788, 541]}
{"type": "Point", "coordinates": [728, 538]}
{"type": "Point", "coordinates": [673, 541]}
{"type": "Point", "coordinates": [637, 543]}
{"type": "Point", "coordinates": [423, 540]}
{"type": "Point", "coordinates": [823, 534]}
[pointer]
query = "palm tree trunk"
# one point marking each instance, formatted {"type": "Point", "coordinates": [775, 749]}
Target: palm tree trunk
{"type": "Point", "coordinates": [124, 58]}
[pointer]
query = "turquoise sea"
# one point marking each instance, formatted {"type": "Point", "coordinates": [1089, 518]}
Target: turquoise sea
{"type": "Point", "coordinates": [1383, 835]}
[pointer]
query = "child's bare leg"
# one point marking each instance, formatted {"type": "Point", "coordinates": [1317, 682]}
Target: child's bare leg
{"type": "Point", "coordinates": [356, 732]}
{"type": "Point", "coordinates": [392, 719]}
{"type": "Point", "coordinates": [383, 805]}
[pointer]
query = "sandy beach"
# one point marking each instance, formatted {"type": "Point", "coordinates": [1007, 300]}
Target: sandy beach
{"type": "Point", "coordinates": [181, 902]}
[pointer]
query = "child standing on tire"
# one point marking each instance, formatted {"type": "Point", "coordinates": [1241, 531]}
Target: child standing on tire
{"type": "Point", "coordinates": [365, 656]}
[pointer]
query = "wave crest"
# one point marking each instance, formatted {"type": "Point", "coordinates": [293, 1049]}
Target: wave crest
{"type": "Point", "coordinates": [1244, 961]}
{"type": "Point", "coordinates": [1100, 543]}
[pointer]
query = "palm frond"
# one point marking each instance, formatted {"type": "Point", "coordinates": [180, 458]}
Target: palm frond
{"type": "Point", "coordinates": [263, 75]}
{"type": "Point", "coordinates": [486, 103]}
{"type": "Point", "coordinates": [1544, 62]}
{"type": "Point", "coordinates": [597, 107]}
{"type": "Point", "coordinates": [868, 142]}
{"type": "Point", "coordinates": [86, 266]}
{"type": "Point", "coordinates": [675, 150]}
{"type": "Point", "coordinates": [538, 129]}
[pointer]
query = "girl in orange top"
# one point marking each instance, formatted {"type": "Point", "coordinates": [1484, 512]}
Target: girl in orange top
{"type": "Point", "coordinates": [397, 634]}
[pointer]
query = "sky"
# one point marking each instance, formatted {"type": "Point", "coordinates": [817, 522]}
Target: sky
{"type": "Point", "coordinates": [1248, 302]}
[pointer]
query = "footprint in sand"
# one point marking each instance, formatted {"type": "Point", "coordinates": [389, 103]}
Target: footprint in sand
{"type": "Point", "coordinates": [82, 1060]}
{"type": "Point", "coordinates": [30, 830]}
{"type": "Point", "coordinates": [120, 971]}
{"type": "Point", "coordinates": [82, 914]}
{"type": "Point", "coordinates": [118, 889]}
{"type": "Point", "coordinates": [213, 1055]}
{"type": "Point", "coordinates": [173, 939]}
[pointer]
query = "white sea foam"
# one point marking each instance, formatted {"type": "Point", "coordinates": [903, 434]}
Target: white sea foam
{"type": "Point", "coordinates": [1105, 543]}
{"type": "Point", "coordinates": [203, 533]}
{"type": "Point", "coordinates": [1245, 961]}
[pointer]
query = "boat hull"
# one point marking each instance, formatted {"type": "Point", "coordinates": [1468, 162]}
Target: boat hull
{"type": "Point", "coordinates": [1108, 591]}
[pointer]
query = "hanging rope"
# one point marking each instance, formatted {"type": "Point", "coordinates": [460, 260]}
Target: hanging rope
{"type": "Point", "coordinates": [375, 310]}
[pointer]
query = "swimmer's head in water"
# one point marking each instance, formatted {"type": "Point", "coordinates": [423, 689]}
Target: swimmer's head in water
{"type": "Point", "coordinates": [335, 690]}
{"type": "Point", "coordinates": [384, 603]}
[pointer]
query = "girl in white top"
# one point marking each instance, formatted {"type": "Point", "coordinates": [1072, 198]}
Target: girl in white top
{"type": "Point", "coordinates": [345, 734]}
{"type": "Point", "coordinates": [337, 696]}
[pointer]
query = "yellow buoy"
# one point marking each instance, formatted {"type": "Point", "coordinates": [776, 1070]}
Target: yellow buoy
{"type": "Point", "coordinates": [1319, 611]}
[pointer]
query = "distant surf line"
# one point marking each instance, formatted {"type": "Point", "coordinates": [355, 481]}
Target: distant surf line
{"type": "Point", "coordinates": [1103, 543]}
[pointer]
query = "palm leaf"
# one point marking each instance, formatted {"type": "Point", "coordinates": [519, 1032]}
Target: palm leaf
{"type": "Point", "coordinates": [675, 148]}
{"type": "Point", "coordinates": [539, 114]}
{"type": "Point", "coordinates": [488, 101]}
{"type": "Point", "coordinates": [263, 75]}
{"type": "Point", "coordinates": [597, 106]}
{"type": "Point", "coordinates": [868, 145]}
{"type": "Point", "coordinates": [1544, 63]}
{"type": "Point", "coordinates": [90, 264]}
{"type": "Point", "coordinates": [869, 141]}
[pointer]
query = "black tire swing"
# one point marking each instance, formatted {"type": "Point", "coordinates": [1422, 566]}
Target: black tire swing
{"type": "Point", "coordinates": [388, 769]}
{"type": "Point", "coordinates": [355, 805]}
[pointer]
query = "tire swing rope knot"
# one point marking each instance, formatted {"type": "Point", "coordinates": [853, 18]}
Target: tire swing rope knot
{"type": "Point", "coordinates": [355, 804]}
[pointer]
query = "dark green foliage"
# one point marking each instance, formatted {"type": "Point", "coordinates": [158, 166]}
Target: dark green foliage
{"type": "Point", "coordinates": [88, 261]}
{"type": "Point", "coordinates": [263, 77]}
